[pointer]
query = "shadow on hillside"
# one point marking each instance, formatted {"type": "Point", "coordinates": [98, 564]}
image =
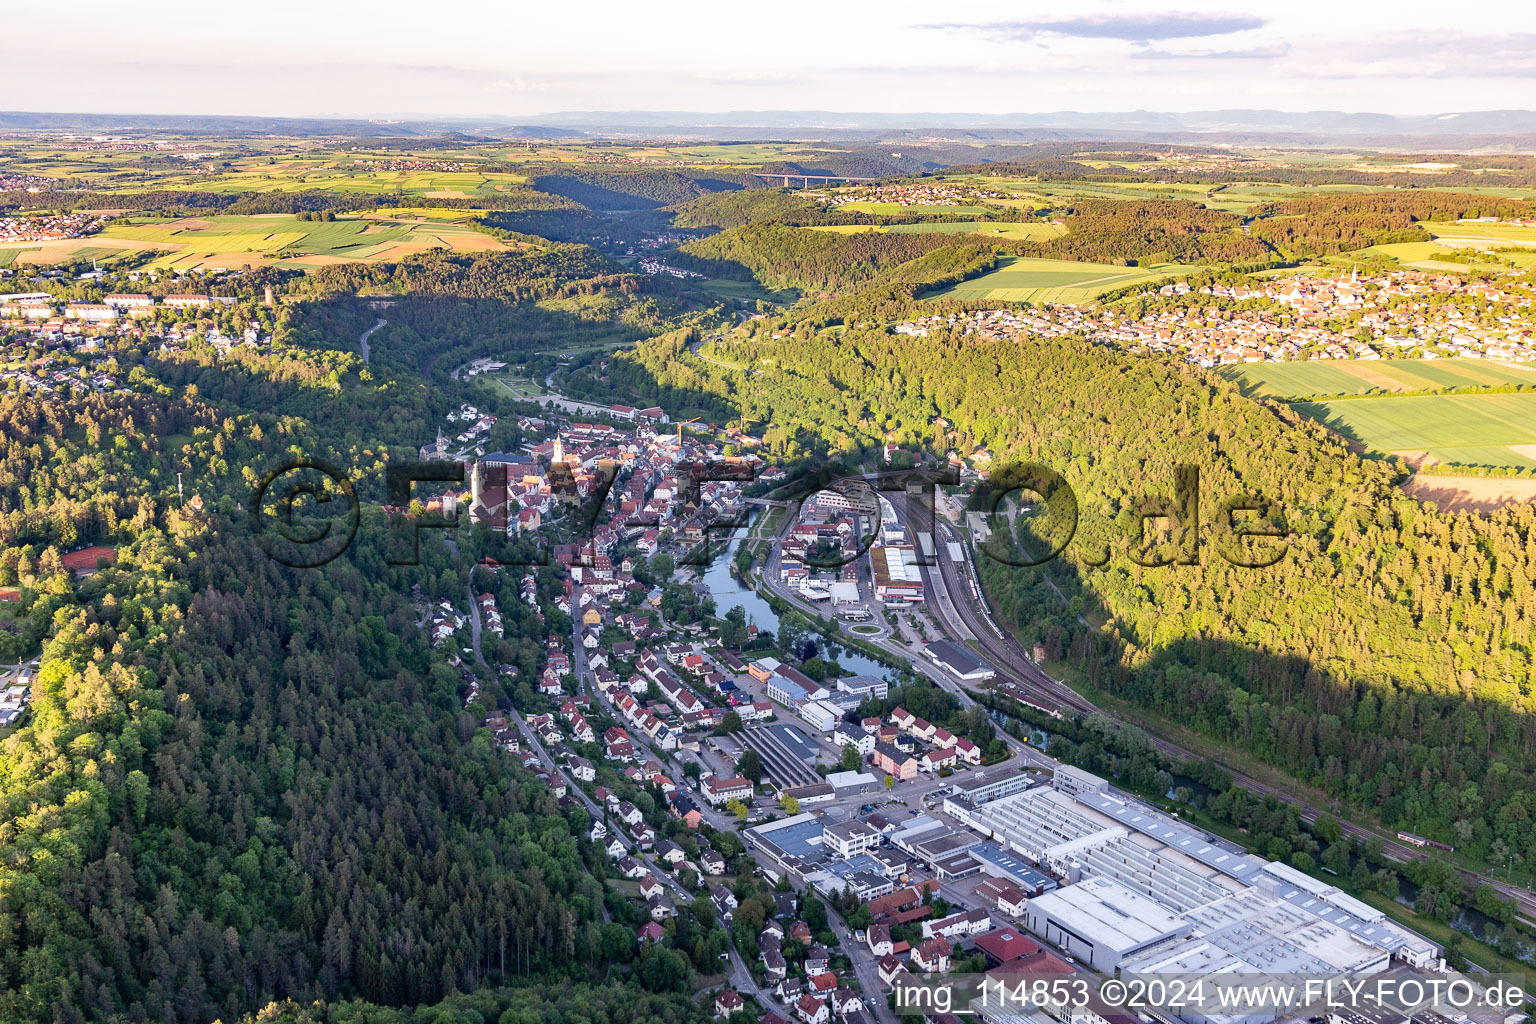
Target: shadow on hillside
{"type": "Point", "coordinates": [1357, 738]}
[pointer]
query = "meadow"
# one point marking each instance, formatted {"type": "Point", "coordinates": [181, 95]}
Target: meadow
{"type": "Point", "coordinates": [1316, 378]}
{"type": "Point", "coordinates": [1465, 430]}
{"type": "Point", "coordinates": [1025, 279]}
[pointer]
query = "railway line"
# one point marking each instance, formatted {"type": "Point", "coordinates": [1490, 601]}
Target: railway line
{"type": "Point", "coordinates": [949, 598]}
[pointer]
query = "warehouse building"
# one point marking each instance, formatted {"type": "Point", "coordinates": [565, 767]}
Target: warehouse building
{"type": "Point", "coordinates": [897, 577]}
{"type": "Point", "coordinates": [959, 662]}
{"type": "Point", "coordinates": [1101, 922]}
{"type": "Point", "coordinates": [820, 715]}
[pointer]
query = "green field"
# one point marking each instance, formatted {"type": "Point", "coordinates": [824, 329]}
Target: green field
{"type": "Point", "coordinates": [265, 239]}
{"type": "Point", "coordinates": [8, 256]}
{"type": "Point", "coordinates": [516, 387]}
{"type": "Point", "coordinates": [1426, 256]}
{"type": "Point", "coordinates": [1024, 279]}
{"type": "Point", "coordinates": [1469, 430]}
{"type": "Point", "coordinates": [1328, 377]}
{"type": "Point", "coordinates": [448, 184]}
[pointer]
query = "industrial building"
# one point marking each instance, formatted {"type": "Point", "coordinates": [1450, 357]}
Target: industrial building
{"type": "Point", "coordinates": [820, 715]}
{"type": "Point", "coordinates": [853, 783]}
{"type": "Point", "coordinates": [1122, 847]}
{"type": "Point", "coordinates": [959, 662]}
{"type": "Point", "coordinates": [1101, 922]}
{"type": "Point", "coordinates": [897, 576]}
{"type": "Point", "coordinates": [943, 849]}
{"type": "Point", "coordinates": [999, 863]}
{"type": "Point", "coordinates": [971, 791]}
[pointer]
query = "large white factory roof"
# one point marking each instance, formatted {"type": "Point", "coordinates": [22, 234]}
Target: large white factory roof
{"type": "Point", "coordinates": [1107, 914]}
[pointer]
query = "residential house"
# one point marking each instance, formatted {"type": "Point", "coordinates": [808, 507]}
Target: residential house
{"type": "Point", "coordinates": [811, 1010]}
{"type": "Point", "coordinates": [959, 926]}
{"type": "Point", "coordinates": [879, 938]}
{"type": "Point", "coordinates": [896, 763]}
{"type": "Point", "coordinates": [718, 792]}
{"type": "Point", "coordinates": [933, 955]}
{"type": "Point", "coordinates": [661, 907]}
{"type": "Point", "coordinates": [728, 1002]}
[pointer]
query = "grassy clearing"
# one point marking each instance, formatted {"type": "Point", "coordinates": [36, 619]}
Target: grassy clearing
{"type": "Point", "coordinates": [1034, 230]}
{"type": "Point", "coordinates": [1317, 377]}
{"type": "Point", "coordinates": [744, 290]}
{"type": "Point", "coordinates": [1023, 279]}
{"type": "Point", "coordinates": [422, 213]}
{"type": "Point", "coordinates": [1468, 430]}
{"type": "Point", "coordinates": [516, 387]}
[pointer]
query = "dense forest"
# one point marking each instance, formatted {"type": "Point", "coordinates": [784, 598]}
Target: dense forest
{"type": "Point", "coordinates": [1149, 231]}
{"type": "Point", "coordinates": [785, 257]}
{"type": "Point", "coordinates": [243, 784]}
{"type": "Point", "coordinates": [1320, 225]}
{"type": "Point", "coordinates": [638, 190]}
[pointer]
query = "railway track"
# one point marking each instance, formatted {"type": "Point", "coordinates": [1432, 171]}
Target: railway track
{"type": "Point", "coordinates": [963, 619]}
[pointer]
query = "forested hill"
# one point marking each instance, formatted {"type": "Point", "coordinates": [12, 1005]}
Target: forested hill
{"type": "Point", "coordinates": [805, 258]}
{"type": "Point", "coordinates": [1386, 659]}
{"type": "Point", "coordinates": [242, 783]}
{"type": "Point", "coordinates": [639, 190]}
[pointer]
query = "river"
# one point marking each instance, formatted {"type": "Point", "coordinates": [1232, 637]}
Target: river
{"type": "Point", "coordinates": [729, 592]}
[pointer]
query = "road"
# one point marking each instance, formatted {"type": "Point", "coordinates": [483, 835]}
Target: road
{"type": "Point", "coordinates": [696, 346]}
{"type": "Point", "coordinates": [743, 982]}
{"type": "Point", "coordinates": [363, 341]}
{"type": "Point", "coordinates": [8, 672]}
{"type": "Point", "coordinates": [865, 968]}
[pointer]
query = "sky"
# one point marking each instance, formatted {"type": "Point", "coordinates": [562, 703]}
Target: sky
{"type": "Point", "coordinates": [511, 59]}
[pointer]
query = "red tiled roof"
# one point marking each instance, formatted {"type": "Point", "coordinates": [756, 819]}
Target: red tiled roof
{"type": "Point", "coordinates": [1006, 944]}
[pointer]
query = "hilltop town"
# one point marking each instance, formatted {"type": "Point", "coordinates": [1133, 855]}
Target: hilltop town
{"type": "Point", "coordinates": [1306, 316]}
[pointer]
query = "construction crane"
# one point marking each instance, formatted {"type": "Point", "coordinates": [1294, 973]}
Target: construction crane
{"type": "Point", "coordinates": [683, 423]}
{"type": "Point", "coordinates": [745, 420]}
